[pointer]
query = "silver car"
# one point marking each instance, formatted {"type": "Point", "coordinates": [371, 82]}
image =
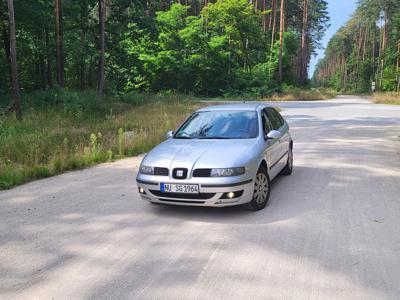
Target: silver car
{"type": "Point", "coordinates": [220, 156]}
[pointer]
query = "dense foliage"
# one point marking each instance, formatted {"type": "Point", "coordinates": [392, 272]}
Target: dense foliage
{"type": "Point", "coordinates": [202, 48]}
{"type": "Point", "coordinates": [365, 50]}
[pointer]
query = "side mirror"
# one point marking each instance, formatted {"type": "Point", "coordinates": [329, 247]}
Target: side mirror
{"type": "Point", "coordinates": [169, 134]}
{"type": "Point", "coordinates": [273, 134]}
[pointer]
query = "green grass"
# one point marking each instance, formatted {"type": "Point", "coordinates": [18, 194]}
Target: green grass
{"type": "Point", "coordinates": [387, 98]}
{"type": "Point", "coordinates": [64, 131]}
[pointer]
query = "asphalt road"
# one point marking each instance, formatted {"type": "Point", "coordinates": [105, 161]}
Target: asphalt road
{"type": "Point", "coordinates": [331, 230]}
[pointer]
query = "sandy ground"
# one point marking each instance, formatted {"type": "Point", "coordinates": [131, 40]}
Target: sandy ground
{"type": "Point", "coordinates": [331, 230]}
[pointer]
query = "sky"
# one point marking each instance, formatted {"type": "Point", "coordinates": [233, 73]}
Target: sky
{"type": "Point", "coordinates": [339, 11]}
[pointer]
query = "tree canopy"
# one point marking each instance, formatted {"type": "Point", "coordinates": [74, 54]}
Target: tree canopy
{"type": "Point", "coordinates": [364, 51]}
{"type": "Point", "coordinates": [202, 48]}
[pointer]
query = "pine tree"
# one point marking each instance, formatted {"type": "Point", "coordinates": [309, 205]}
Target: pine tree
{"type": "Point", "coordinates": [13, 57]}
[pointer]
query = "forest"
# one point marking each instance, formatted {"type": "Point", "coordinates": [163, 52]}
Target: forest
{"type": "Point", "coordinates": [364, 55]}
{"type": "Point", "coordinates": [203, 48]}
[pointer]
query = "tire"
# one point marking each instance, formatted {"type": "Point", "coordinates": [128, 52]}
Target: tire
{"type": "Point", "coordinates": [262, 189]}
{"type": "Point", "coordinates": [288, 169]}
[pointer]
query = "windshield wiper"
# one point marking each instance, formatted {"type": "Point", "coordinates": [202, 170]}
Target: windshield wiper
{"type": "Point", "coordinates": [214, 138]}
{"type": "Point", "coordinates": [183, 135]}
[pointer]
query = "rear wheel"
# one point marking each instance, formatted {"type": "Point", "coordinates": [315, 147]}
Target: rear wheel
{"type": "Point", "coordinates": [261, 190]}
{"type": "Point", "coordinates": [288, 169]}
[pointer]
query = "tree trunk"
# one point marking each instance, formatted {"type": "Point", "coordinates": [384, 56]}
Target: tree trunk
{"type": "Point", "coordinates": [364, 43]}
{"type": "Point", "coordinates": [102, 18]}
{"type": "Point", "coordinates": [359, 49]}
{"type": "Point", "coordinates": [48, 63]}
{"type": "Point", "coordinates": [379, 56]}
{"type": "Point", "coordinates": [13, 57]}
{"type": "Point", "coordinates": [342, 69]}
{"type": "Point", "coordinates": [398, 67]}
{"type": "Point", "coordinates": [82, 64]}
{"type": "Point", "coordinates": [384, 37]}
{"type": "Point", "coordinates": [59, 51]}
{"type": "Point", "coordinates": [6, 41]}
{"type": "Point", "coordinates": [90, 73]}
{"type": "Point", "coordinates": [272, 14]}
{"type": "Point", "coordinates": [273, 24]}
{"type": "Point", "coordinates": [303, 54]}
{"type": "Point", "coordinates": [273, 19]}
{"type": "Point", "coordinates": [281, 30]}
{"type": "Point", "coordinates": [264, 17]}
{"type": "Point", "coordinates": [42, 71]}
{"type": "Point", "coordinates": [373, 52]}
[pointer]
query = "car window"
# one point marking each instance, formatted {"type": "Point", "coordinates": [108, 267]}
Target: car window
{"type": "Point", "coordinates": [220, 125]}
{"type": "Point", "coordinates": [266, 123]}
{"type": "Point", "coordinates": [275, 118]}
{"type": "Point", "coordinates": [280, 118]}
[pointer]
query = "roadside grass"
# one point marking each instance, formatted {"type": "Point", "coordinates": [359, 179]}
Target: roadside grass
{"type": "Point", "coordinates": [387, 98]}
{"type": "Point", "coordinates": [296, 94]}
{"type": "Point", "coordinates": [287, 94]}
{"type": "Point", "coordinates": [76, 130]}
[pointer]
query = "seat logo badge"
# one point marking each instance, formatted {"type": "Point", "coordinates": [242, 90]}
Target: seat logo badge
{"type": "Point", "coordinates": [179, 173]}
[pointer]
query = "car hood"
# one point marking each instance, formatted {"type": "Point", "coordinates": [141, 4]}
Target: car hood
{"type": "Point", "coordinates": [197, 153]}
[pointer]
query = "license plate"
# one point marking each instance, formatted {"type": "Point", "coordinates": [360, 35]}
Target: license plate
{"type": "Point", "coordinates": [179, 188]}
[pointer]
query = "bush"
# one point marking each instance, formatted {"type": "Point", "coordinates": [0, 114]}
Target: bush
{"type": "Point", "coordinates": [133, 98]}
{"type": "Point", "coordinates": [75, 104]}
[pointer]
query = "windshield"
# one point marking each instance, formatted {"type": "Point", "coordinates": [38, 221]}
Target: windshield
{"type": "Point", "coordinates": [220, 125]}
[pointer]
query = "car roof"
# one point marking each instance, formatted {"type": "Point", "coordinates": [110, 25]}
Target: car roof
{"type": "Point", "coordinates": [236, 106]}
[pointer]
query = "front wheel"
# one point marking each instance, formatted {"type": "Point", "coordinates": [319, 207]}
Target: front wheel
{"type": "Point", "coordinates": [261, 190]}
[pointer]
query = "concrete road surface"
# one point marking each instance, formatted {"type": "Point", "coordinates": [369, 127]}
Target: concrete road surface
{"type": "Point", "coordinates": [330, 231]}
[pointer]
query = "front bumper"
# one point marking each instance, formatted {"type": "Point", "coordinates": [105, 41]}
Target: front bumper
{"type": "Point", "coordinates": [211, 191]}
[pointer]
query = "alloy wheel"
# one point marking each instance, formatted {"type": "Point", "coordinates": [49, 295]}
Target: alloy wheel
{"type": "Point", "coordinates": [261, 188]}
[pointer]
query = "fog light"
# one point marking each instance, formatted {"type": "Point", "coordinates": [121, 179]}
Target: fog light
{"type": "Point", "coordinates": [141, 190]}
{"type": "Point", "coordinates": [231, 195]}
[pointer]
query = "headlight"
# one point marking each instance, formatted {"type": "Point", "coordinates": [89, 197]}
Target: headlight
{"type": "Point", "coordinates": [227, 172]}
{"type": "Point", "coordinates": [146, 170]}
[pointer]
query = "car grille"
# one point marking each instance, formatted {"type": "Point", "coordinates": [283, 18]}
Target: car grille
{"type": "Point", "coordinates": [202, 173]}
{"type": "Point", "coordinates": [182, 201]}
{"type": "Point", "coordinates": [179, 173]}
{"type": "Point", "coordinates": [182, 195]}
{"type": "Point", "coordinates": [161, 171]}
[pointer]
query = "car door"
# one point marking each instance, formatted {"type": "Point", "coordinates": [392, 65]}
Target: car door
{"type": "Point", "coordinates": [285, 139]}
{"type": "Point", "coordinates": [278, 124]}
{"type": "Point", "coordinates": [272, 146]}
